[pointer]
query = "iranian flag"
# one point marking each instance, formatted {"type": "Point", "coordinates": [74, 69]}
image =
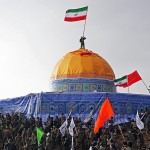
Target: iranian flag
{"type": "Point", "coordinates": [76, 14]}
{"type": "Point", "coordinates": [128, 80]}
{"type": "Point", "coordinates": [121, 81]}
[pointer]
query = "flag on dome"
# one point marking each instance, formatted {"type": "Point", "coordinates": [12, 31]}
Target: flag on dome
{"type": "Point", "coordinates": [105, 113]}
{"type": "Point", "coordinates": [76, 14]}
{"type": "Point", "coordinates": [128, 80]}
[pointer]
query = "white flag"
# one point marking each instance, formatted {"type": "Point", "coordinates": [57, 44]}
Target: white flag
{"type": "Point", "coordinates": [90, 148]}
{"type": "Point", "coordinates": [139, 123]}
{"type": "Point", "coordinates": [72, 125]}
{"type": "Point", "coordinates": [88, 117]}
{"type": "Point", "coordinates": [63, 127]}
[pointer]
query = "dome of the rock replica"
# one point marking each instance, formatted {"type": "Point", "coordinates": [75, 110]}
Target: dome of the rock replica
{"type": "Point", "coordinates": [82, 71]}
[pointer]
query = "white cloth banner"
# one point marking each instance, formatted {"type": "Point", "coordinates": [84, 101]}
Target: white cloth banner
{"type": "Point", "coordinates": [139, 123]}
{"type": "Point", "coordinates": [72, 125]}
{"type": "Point", "coordinates": [90, 148]}
{"type": "Point", "coordinates": [63, 127]}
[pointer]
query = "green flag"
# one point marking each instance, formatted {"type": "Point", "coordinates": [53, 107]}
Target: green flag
{"type": "Point", "coordinates": [39, 134]}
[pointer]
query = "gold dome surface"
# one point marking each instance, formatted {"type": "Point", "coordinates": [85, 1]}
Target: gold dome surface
{"type": "Point", "coordinates": [82, 63]}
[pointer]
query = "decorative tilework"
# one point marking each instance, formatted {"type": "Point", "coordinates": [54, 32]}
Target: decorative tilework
{"type": "Point", "coordinates": [125, 105]}
{"type": "Point", "coordinates": [61, 108]}
{"type": "Point", "coordinates": [79, 87]}
{"type": "Point", "coordinates": [122, 108]}
{"type": "Point", "coordinates": [92, 107]}
{"type": "Point", "coordinates": [44, 108]}
{"type": "Point", "coordinates": [109, 88]}
{"type": "Point", "coordinates": [104, 88]}
{"type": "Point", "coordinates": [129, 108]}
{"type": "Point", "coordinates": [99, 88]}
{"type": "Point", "coordinates": [54, 87]}
{"type": "Point", "coordinates": [85, 87]}
{"type": "Point", "coordinates": [113, 89]}
{"type": "Point", "coordinates": [65, 87]}
{"type": "Point", "coordinates": [59, 87]}
{"type": "Point", "coordinates": [52, 108]}
{"type": "Point", "coordinates": [115, 106]}
{"type": "Point", "coordinates": [82, 108]}
{"type": "Point", "coordinates": [135, 107]}
{"type": "Point", "coordinates": [71, 106]}
{"type": "Point", "coordinates": [72, 87]}
{"type": "Point", "coordinates": [92, 87]}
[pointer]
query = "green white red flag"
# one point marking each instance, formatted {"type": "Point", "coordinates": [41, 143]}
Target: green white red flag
{"type": "Point", "coordinates": [121, 81]}
{"type": "Point", "coordinates": [76, 14]}
{"type": "Point", "coordinates": [128, 80]}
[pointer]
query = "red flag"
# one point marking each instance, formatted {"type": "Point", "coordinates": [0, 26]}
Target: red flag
{"type": "Point", "coordinates": [105, 113]}
{"type": "Point", "coordinates": [132, 78]}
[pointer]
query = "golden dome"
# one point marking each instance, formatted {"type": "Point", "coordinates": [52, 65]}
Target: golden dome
{"type": "Point", "coordinates": [82, 63]}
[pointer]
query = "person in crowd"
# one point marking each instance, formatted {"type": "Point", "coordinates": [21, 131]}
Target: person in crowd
{"type": "Point", "coordinates": [10, 145]}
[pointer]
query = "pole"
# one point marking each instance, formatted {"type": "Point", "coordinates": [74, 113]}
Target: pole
{"type": "Point", "coordinates": [40, 97]}
{"type": "Point", "coordinates": [146, 86]}
{"type": "Point", "coordinates": [127, 83]}
{"type": "Point", "coordinates": [143, 116]}
{"type": "Point", "coordinates": [101, 98]}
{"type": "Point", "coordinates": [85, 23]}
{"type": "Point", "coordinates": [121, 132]}
{"type": "Point", "coordinates": [69, 114]}
{"type": "Point", "coordinates": [72, 144]}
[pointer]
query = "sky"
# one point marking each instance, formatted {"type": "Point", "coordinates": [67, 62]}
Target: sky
{"type": "Point", "coordinates": [34, 36]}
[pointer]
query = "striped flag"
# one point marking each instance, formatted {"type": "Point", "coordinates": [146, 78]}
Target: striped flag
{"type": "Point", "coordinates": [76, 14]}
{"type": "Point", "coordinates": [121, 81]}
{"type": "Point", "coordinates": [128, 80]}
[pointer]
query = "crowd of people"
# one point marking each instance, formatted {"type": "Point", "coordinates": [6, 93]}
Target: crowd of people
{"type": "Point", "coordinates": [17, 132]}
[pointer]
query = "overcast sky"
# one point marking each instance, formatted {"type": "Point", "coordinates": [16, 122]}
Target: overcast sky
{"type": "Point", "coordinates": [34, 36]}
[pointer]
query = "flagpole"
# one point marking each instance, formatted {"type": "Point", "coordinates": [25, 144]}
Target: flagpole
{"type": "Point", "coordinates": [128, 86]}
{"type": "Point", "coordinates": [72, 144]}
{"type": "Point", "coordinates": [143, 116]}
{"type": "Point", "coordinates": [146, 86]}
{"type": "Point", "coordinates": [121, 132]}
{"type": "Point", "coordinates": [85, 23]}
{"type": "Point", "coordinates": [69, 114]}
{"type": "Point", "coordinates": [95, 108]}
{"type": "Point", "coordinates": [72, 125]}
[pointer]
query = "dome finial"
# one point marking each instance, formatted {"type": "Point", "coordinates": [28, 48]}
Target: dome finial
{"type": "Point", "coordinates": [82, 42]}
